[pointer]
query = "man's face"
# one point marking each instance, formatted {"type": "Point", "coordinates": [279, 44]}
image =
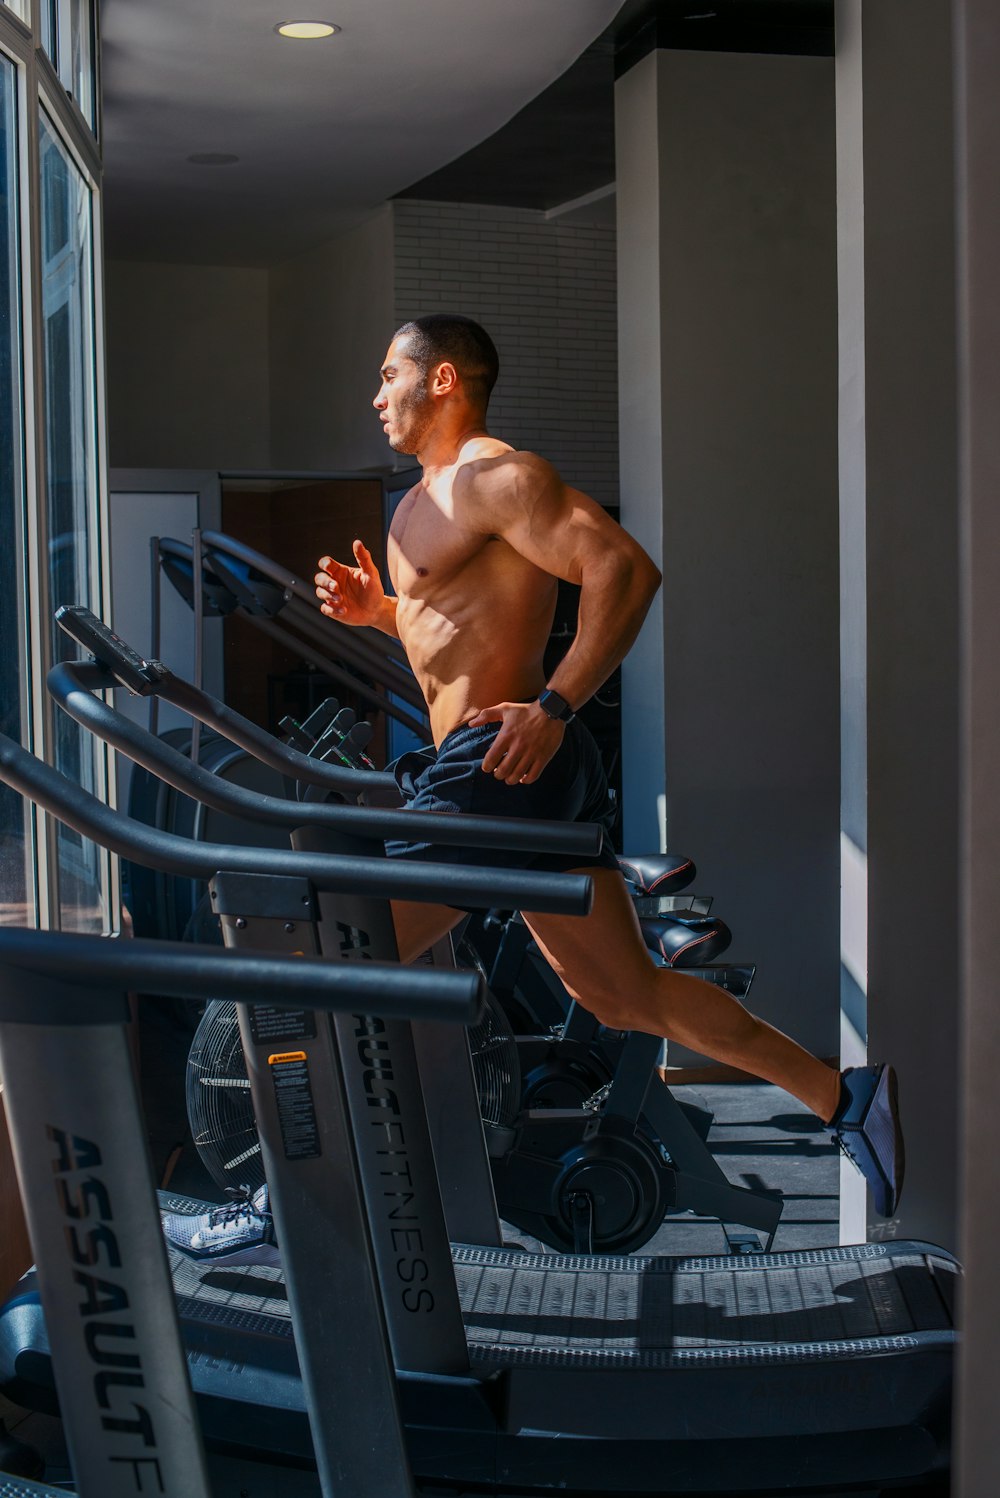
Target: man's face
{"type": "Point", "coordinates": [404, 406]}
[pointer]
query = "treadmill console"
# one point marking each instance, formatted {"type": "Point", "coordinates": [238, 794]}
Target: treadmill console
{"type": "Point", "coordinates": [126, 665]}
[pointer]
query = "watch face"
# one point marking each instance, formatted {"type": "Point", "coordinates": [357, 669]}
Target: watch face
{"type": "Point", "coordinates": [556, 706]}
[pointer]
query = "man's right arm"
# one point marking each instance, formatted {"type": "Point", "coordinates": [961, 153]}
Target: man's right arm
{"type": "Point", "coordinates": [386, 620]}
{"type": "Point", "coordinates": [354, 595]}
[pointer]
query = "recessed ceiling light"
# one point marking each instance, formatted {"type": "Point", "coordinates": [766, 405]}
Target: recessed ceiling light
{"type": "Point", "coordinates": [306, 31]}
{"type": "Point", "coordinates": [213, 158]}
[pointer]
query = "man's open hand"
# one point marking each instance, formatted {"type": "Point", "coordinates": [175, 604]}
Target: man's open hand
{"type": "Point", "coordinates": [351, 594]}
{"type": "Point", "coordinates": [527, 741]}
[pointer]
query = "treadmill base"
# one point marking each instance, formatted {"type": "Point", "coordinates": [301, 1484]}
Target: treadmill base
{"type": "Point", "coordinates": [821, 1371]}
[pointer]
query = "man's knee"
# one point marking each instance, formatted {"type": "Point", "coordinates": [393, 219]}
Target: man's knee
{"type": "Point", "coordinates": [617, 1016]}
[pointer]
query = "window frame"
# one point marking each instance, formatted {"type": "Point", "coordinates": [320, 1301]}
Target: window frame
{"type": "Point", "coordinates": [40, 88]}
{"type": "Point", "coordinates": [20, 205]}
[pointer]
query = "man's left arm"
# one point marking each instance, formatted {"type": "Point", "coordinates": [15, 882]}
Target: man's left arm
{"type": "Point", "coordinates": [569, 536]}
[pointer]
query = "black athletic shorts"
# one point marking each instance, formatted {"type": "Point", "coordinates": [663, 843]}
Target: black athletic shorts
{"type": "Point", "coordinates": [571, 788]}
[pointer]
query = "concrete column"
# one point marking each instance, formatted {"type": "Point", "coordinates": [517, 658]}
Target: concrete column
{"type": "Point", "coordinates": [640, 427]}
{"type": "Point", "coordinates": [899, 582]}
{"type": "Point", "coordinates": [978, 116]}
{"type": "Point", "coordinates": [853, 588]}
{"type": "Point", "coordinates": [727, 358]}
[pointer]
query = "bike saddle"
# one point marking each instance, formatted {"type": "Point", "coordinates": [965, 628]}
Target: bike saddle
{"type": "Point", "coordinates": [690, 942]}
{"type": "Point", "coordinates": [658, 873]}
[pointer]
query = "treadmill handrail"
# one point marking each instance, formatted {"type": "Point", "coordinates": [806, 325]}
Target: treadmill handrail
{"type": "Point", "coordinates": [331, 640]}
{"type": "Point", "coordinates": [402, 879]}
{"type": "Point", "coordinates": [73, 683]}
{"type": "Point", "coordinates": [193, 971]}
{"type": "Point", "coordinates": [278, 631]}
{"type": "Point", "coordinates": [219, 541]}
{"type": "Point", "coordinates": [263, 746]}
{"type": "Point", "coordinates": [158, 680]}
{"type": "Point", "coordinates": [355, 640]}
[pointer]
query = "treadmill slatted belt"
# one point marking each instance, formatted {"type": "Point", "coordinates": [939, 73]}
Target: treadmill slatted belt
{"type": "Point", "coordinates": [640, 1311]}
{"type": "Point", "coordinates": [652, 1313]}
{"type": "Point", "coordinates": [246, 1297]}
{"type": "Point", "coordinates": [945, 1280]}
{"type": "Point", "coordinates": [921, 1293]}
{"type": "Point", "coordinates": [887, 1304]}
{"type": "Point", "coordinates": [200, 1308]}
{"type": "Point", "coordinates": [20, 1487]}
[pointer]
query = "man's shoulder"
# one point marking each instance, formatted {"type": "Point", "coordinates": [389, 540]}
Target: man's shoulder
{"type": "Point", "coordinates": [494, 472]}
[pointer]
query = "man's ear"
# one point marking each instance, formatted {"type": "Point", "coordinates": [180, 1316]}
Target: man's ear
{"type": "Point", "coordinates": [445, 379]}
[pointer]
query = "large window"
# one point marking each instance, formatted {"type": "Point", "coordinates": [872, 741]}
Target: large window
{"type": "Point", "coordinates": [15, 881]}
{"type": "Point", "coordinates": [51, 439]}
{"type": "Point", "coordinates": [71, 469]}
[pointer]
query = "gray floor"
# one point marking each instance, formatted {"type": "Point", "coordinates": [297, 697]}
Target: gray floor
{"type": "Point", "coordinates": [761, 1136]}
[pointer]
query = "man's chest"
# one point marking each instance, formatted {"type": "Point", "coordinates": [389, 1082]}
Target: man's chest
{"type": "Point", "coordinates": [430, 543]}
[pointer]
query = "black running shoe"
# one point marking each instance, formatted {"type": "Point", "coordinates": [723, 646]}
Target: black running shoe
{"type": "Point", "coordinates": [241, 1232]}
{"type": "Point", "coordinates": [866, 1127]}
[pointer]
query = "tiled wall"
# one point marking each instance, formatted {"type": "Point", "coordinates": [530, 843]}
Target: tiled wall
{"type": "Point", "coordinates": [545, 290]}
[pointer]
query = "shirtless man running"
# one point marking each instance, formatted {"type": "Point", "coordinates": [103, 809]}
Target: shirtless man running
{"type": "Point", "coordinates": [474, 553]}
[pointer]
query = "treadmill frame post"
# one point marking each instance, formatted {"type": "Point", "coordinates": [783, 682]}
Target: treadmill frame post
{"type": "Point", "coordinates": [307, 1146]}
{"type": "Point", "coordinates": [365, 1066]}
{"type": "Point", "coordinates": [78, 1139]}
{"type": "Point", "coordinates": [450, 1094]}
{"type": "Point", "coordinates": [441, 1119]}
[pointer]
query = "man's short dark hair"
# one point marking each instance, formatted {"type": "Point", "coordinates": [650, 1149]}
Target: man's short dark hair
{"type": "Point", "coordinates": [447, 337]}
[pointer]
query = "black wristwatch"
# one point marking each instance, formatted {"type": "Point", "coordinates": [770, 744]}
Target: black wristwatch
{"type": "Point", "coordinates": [555, 706]}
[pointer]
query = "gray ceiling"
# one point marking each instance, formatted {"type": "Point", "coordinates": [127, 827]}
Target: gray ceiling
{"type": "Point", "coordinates": [562, 145]}
{"type": "Point", "coordinates": [501, 101]}
{"type": "Point", "coordinates": [324, 131]}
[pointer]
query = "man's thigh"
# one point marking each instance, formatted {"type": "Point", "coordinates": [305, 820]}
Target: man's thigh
{"type": "Point", "coordinates": [420, 926]}
{"type": "Point", "coordinates": [601, 958]}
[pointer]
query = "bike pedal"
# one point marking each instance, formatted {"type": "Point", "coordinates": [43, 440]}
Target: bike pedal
{"type": "Point", "coordinates": [743, 1243]}
{"type": "Point", "coordinates": [596, 1101]}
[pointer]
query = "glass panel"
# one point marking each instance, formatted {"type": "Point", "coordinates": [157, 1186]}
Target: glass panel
{"type": "Point", "coordinates": [20, 8]}
{"type": "Point", "coordinates": [78, 72]}
{"type": "Point", "coordinates": [68, 38]}
{"type": "Point", "coordinates": [50, 30]}
{"type": "Point", "coordinates": [71, 467]}
{"type": "Point", "coordinates": [14, 845]}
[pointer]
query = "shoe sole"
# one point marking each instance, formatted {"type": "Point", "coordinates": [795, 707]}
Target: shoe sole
{"type": "Point", "coordinates": [899, 1149]}
{"type": "Point", "coordinates": [266, 1254]}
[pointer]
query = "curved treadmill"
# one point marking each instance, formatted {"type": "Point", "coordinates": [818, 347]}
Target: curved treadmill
{"type": "Point", "coordinates": [632, 1375]}
{"type": "Point", "coordinates": [604, 1375]}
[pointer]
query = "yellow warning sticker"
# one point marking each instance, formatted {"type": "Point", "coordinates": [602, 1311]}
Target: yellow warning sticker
{"type": "Point", "coordinates": [281, 1058]}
